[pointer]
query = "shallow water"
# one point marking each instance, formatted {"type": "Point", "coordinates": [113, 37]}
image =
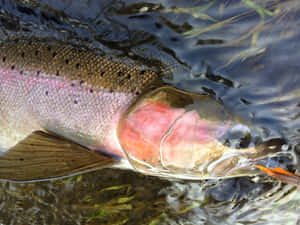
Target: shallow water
{"type": "Point", "coordinates": [244, 53]}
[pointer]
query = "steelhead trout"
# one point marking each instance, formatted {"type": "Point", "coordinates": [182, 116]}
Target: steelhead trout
{"type": "Point", "coordinates": [65, 110]}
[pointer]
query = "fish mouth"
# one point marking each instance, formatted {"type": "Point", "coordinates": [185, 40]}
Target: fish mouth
{"type": "Point", "coordinates": [232, 165]}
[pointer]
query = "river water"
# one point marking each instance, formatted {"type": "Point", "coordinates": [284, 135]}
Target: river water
{"type": "Point", "coordinates": [244, 53]}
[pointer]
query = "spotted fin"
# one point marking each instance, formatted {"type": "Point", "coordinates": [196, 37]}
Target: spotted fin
{"type": "Point", "coordinates": [43, 156]}
{"type": "Point", "coordinates": [281, 174]}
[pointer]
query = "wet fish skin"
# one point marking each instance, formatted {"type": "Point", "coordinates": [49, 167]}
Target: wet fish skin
{"type": "Point", "coordinates": [103, 105]}
{"type": "Point", "coordinates": [72, 92]}
{"type": "Point", "coordinates": [173, 133]}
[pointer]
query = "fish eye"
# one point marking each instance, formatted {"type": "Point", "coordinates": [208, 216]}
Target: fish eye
{"type": "Point", "coordinates": [238, 136]}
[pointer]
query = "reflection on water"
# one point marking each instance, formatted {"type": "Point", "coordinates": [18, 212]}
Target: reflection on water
{"type": "Point", "coordinates": [245, 53]}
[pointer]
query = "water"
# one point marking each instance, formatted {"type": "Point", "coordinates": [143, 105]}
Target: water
{"type": "Point", "coordinates": [244, 53]}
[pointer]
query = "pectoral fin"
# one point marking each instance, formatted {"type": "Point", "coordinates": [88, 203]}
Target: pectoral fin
{"type": "Point", "coordinates": [281, 174]}
{"type": "Point", "coordinates": [44, 156]}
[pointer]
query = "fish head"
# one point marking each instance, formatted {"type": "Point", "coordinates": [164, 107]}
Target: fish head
{"type": "Point", "coordinates": [173, 133]}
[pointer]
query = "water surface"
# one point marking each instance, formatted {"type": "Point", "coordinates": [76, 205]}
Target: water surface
{"type": "Point", "coordinates": [244, 53]}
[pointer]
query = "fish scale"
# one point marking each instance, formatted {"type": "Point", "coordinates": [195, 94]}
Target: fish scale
{"type": "Point", "coordinates": [72, 92]}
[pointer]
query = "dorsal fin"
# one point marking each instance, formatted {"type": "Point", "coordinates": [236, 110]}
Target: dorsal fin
{"type": "Point", "coordinates": [46, 156]}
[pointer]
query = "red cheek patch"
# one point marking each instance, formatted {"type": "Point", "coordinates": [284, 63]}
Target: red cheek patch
{"type": "Point", "coordinates": [142, 131]}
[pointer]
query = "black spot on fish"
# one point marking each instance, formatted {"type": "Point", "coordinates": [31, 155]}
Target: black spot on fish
{"type": "Point", "coordinates": [49, 48]}
{"type": "Point", "coordinates": [77, 66]}
{"type": "Point", "coordinates": [129, 76]}
{"type": "Point", "coordinates": [23, 54]}
{"type": "Point", "coordinates": [75, 102]}
{"type": "Point", "coordinates": [142, 72]}
{"type": "Point", "coordinates": [21, 159]}
{"type": "Point", "coordinates": [30, 43]}
{"type": "Point", "coordinates": [120, 73]}
{"type": "Point", "coordinates": [4, 59]}
{"type": "Point", "coordinates": [137, 92]}
{"type": "Point", "coordinates": [54, 54]}
{"type": "Point", "coordinates": [38, 73]}
{"type": "Point", "coordinates": [46, 93]}
{"type": "Point", "coordinates": [101, 74]}
{"type": "Point", "coordinates": [57, 73]}
{"type": "Point", "coordinates": [36, 52]}
{"type": "Point", "coordinates": [91, 90]}
{"type": "Point", "coordinates": [12, 67]}
{"type": "Point", "coordinates": [72, 84]}
{"type": "Point", "coordinates": [21, 72]}
{"type": "Point", "coordinates": [67, 61]}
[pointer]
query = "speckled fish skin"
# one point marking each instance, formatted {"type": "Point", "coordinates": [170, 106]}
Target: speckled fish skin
{"type": "Point", "coordinates": [72, 92]}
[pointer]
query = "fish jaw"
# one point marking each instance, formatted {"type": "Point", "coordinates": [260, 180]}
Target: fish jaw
{"type": "Point", "coordinates": [163, 140]}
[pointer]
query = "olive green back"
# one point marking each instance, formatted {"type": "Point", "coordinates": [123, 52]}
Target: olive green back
{"type": "Point", "coordinates": [77, 65]}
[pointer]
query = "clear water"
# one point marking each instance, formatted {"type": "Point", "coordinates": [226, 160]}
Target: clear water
{"type": "Point", "coordinates": [243, 52]}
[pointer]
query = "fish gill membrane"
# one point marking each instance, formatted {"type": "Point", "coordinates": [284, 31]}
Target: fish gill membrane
{"type": "Point", "coordinates": [175, 134]}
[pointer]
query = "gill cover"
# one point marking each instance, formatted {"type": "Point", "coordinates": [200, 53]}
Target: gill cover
{"type": "Point", "coordinates": [172, 133]}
